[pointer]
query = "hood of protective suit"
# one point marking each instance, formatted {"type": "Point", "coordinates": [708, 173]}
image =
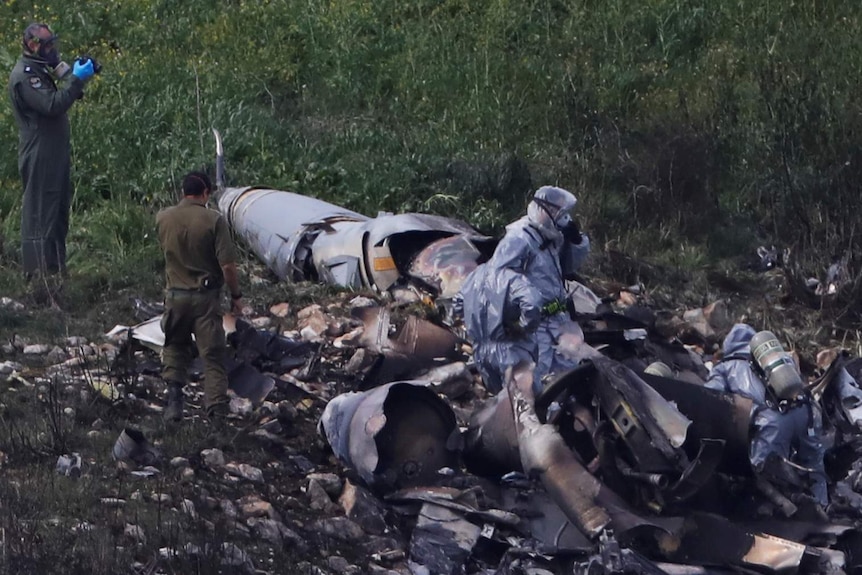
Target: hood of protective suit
{"type": "Point", "coordinates": [738, 340]}
{"type": "Point", "coordinates": [550, 211]}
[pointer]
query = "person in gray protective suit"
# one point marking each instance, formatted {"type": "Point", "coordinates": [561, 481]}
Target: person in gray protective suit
{"type": "Point", "coordinates": [791, 431]}
{"type": "Point", "coordinates": [514, 305]}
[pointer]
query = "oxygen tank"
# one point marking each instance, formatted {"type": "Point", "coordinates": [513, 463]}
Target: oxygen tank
{"type": "Point", "coordinates": [777, 365]}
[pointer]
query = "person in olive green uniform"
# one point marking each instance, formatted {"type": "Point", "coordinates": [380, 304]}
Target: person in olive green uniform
{"type": "Point", "coordinates": [44, 160]}
{"type": "Point", "coordinates": [199, 259]}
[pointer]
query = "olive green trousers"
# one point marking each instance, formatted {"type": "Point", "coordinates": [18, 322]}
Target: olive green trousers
{"type": "Point", "coordinates": [195, 313]}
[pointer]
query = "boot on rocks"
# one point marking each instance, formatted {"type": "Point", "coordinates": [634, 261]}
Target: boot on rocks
{"type": "Point", "coordinates": [174, 408]}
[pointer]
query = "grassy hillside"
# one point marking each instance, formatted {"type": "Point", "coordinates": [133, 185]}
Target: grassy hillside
{"type": "Point", "coordinates": [689, 128]}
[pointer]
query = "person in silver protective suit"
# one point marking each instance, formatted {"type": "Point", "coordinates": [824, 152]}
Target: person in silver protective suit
{"type": "Point", "coordinates": [500, 327]}
{"type": "Point", "coordinates": [514, 305]}
{"type": "Point", "coordinates": [791, 431]}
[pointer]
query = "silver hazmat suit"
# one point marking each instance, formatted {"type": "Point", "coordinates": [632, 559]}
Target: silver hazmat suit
{"type": "Point", "coordinates": [793, 434]}
{"type": "Point", "coordinates": [500, 328]}
{"type": "Point", "coordinates": [528, 270]}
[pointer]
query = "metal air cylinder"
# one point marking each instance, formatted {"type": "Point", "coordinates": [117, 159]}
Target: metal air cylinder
{"type": "Point", "coordinates": [777, 365]}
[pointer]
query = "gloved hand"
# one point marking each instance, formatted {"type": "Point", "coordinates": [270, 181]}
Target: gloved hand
{"type": "Point", "coordinates": [572, 233]}
{"type": "Point", "coordinates": [83, 70]}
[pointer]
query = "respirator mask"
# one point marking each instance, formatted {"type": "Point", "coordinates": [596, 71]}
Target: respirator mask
{"type": "Point", "coordinates": [49, 53]}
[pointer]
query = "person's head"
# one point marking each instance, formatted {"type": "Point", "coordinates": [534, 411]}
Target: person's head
{"type": "Point", "coordinates": [197, 185]}
{"type": "Point", "coordinates": [41, 42]}
{"type": "Point", "coordinates": [551, 209]}
{"type": "Point", "coordinates": [737, 340]}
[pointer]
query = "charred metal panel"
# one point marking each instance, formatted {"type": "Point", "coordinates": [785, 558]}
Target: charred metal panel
{"type": "Point", "coordinates": [714, 415]}
{"type": "Point", "coordinates": [491, 440]}
{"type": "Point", "coordinates": [713, 540]}
{"type": "Point", "coordinates": [394, 436]}
{"type": "Point", "coordinates": [418, 345]}
{"type": "Point", "coordinates": [545, 521]}
{"type": "Point", "coordinates": [653, 429]}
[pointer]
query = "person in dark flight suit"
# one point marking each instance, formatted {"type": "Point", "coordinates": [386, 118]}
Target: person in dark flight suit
{"type": "Point", "coordinates": [199, 259]}
{"type": "Point", "coordinates": [44, 159]}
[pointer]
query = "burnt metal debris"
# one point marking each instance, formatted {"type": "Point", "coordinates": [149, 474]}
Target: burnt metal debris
{"type": "Point", "coordinates": [396, 435]}
{"type": "Point", "coordinates": [256, 353]}
{"type": "Point", "coordinates": [614, 468]}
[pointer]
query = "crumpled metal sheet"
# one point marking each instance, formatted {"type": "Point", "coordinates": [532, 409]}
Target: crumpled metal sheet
{"type": "Point", "coordinates": [713, 540]}
{"type": "Point", "coordinates": [131, 445]}
{"type": "Point", "coordinates": [442, 540]}
{"type": "Point", "coordinates": [491, 440]}
{"type": "Point", "coordinates": [714, 415]}
{"type": "Point", "coordinates": [418, 345]}
{"type": "Point", "coordinates": [653, 428]}
{"type": "Point", "coordinates": [843, 376]}
{"type": "Point", "coordinates": [456, 500]}
{"type": "Point", "coordinates": [395, 435]}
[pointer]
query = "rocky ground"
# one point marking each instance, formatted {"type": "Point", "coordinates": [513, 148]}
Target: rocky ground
{"type": "Point", "coordinates": [261, 492]}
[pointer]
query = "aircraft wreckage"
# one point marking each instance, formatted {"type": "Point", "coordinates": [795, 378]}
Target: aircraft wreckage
{"type": "Point", "coordinates": [612, 469]}
{"type": "Point", "coordinates": [618, 466]}
{"type": "Point", "coordinates": [301, 238]}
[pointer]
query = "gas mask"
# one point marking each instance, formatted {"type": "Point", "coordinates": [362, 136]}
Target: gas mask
{"type": "Point", "coordinates": [563, 220]}
{"type": "Point", "coordinates": [51, 55]}
{"type": "Point", "coordinates": [48, 52]}
{"type": "Point", "coordinates": [550, 211]}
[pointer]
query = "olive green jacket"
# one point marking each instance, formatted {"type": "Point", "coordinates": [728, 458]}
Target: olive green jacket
{"type": "Point", "coordinates": [44, 160]}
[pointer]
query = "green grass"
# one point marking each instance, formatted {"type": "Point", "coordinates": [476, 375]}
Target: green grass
{"type": "Point", "coordinates": [662, 115]}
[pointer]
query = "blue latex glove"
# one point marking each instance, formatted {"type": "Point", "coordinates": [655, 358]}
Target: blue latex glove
{"type": "Point", "coordinates": [83, 71]}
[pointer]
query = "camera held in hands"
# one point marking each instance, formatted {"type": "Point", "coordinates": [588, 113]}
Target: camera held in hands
{"type": "Point", "coordinates": [97, 67]}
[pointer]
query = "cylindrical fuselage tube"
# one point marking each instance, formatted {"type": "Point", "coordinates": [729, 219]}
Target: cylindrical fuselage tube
{"type": "Point", "coordinates": [272, 222]}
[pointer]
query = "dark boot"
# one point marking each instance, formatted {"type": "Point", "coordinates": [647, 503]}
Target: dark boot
{"type": "Point", "coordinates": [174, 408]}
{"type": "Point", "coordinates": [218, 412]}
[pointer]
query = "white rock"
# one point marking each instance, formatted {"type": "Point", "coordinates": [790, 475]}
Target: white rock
{"type": "Point", "coordinates": [11, 304]}
{"type": "Point", "coordinates": [310, 335]}
{"type": "Point", "coordinates": [56, 355]}
{"type": "Point", "coordinates": [10, 367]}
{"type": "Point", "coordinates": [362, 301]}
{"type": "Point", "coordinates": [251, 473]}
{"type": "Point", "coordinates": [280, 309]}
{"type": "Point", "coordinates": [245, 471]}
{"type": "Point", "coordinates": [179, 462]}
{"type": "Point", "coordinates": [214, 458]}
{"type": "Point", "coordinates": [36, 349]}
{"type": "Point", "coordinates": [262, 322]}
{"type": "Point", "coordinates": [228, 508]}
{"type": "Point", "coordinates": [330, 482]}
{"type": "Point", "coordinates": [233, 556]}
{"type": "Point", "coordinates": [241, 406]}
